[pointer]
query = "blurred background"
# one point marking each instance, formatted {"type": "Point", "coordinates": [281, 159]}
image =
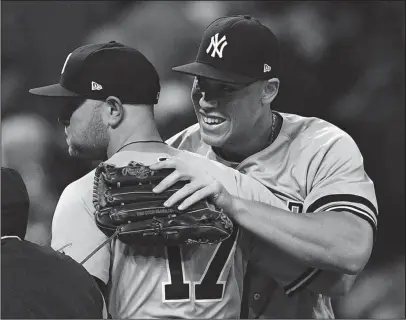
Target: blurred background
{"type": "Point", "coordinates": [343, 62]}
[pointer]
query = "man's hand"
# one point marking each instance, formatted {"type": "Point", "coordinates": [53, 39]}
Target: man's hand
{"type": "Point", "coordinates": [202, 184]}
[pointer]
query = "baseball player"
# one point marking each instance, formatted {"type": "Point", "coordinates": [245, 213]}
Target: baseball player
{"type": "Point", "coordinates": [315, 168]}
{"type": "Point", "coordinates": [110, 91]}
{"type": "Point", "coordinates": [36, 281]}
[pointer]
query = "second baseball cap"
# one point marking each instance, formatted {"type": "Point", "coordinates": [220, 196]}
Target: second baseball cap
{"type": "Point", "coordinates": [236, 49]}
{"type": "Point", "coordinates": [97, 71]}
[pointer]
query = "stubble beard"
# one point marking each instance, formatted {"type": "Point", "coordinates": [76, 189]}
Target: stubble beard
{"type": "Point", "coordinates": [94, 141]}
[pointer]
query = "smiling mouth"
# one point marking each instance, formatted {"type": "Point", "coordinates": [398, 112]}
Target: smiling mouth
{"type": "Point", "coordinates": [212, 120]}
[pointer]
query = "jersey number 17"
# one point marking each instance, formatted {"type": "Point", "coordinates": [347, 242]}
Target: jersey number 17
{"type": "Point", "coordinates": [209, 287]}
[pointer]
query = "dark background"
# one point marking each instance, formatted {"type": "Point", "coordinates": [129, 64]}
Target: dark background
{"type": "Point", "coordinates": [343, 62]}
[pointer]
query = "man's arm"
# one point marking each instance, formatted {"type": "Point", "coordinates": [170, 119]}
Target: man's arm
{"type": "Point", "coordinates": [336, 241]}
{"type": "Point", "coordinates": [293, 275]}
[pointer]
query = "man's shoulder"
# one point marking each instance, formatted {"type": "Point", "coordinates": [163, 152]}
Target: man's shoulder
{"type": "Point", "coordinates": [85, 183]}
{"type": "Point", "coordinates": [80, 185]}
{"type": "Point", "coordinates": [123, 158]}
{"type": "Point", "coordinates": [312, 133]}
{"type": "Point", "coordinates": [299, 127]}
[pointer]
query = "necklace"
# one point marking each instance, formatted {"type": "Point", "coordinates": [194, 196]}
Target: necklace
{"type": "Point", "coordinates": [143, 141]}
{"type": "Point", "coordinates": [273, 126]}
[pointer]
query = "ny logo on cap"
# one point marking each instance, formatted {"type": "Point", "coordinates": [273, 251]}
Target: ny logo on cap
{"type": "Point", "coordinates": [96, 86]}
{"type": "Point", "coordinates": [215, 43]}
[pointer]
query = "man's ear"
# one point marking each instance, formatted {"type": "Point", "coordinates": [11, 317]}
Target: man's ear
{"type": "Point", "coordinates": [115, 111]}
{"type": "Point", "coordinates": [269, 90]}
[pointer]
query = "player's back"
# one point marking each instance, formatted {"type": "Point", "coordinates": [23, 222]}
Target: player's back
{"type": "Point", "coordinates": [191, 281]}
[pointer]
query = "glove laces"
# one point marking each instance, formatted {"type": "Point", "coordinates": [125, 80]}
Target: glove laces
{"type": "Point", "coordinates": [101, 245]}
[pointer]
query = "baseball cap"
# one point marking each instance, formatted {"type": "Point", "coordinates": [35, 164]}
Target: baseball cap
{"type": "Point", "coordinates": [15, 203]}
{"type": "Point", "coordinates": [97, 71]}
{"type": "Point", "coordinates": [236, 49]}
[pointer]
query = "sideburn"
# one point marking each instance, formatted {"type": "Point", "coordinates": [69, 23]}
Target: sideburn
{"type": "Point", "coordinates": [100, 133]}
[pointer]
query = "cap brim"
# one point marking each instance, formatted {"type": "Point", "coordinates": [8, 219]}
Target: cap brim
{"type": "Point", "coordinates": [207, 71]}
{"type": "Point", "coordinates": [54, 90]}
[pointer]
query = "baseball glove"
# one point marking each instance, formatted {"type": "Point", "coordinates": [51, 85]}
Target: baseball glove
{"type": "Point", "coordinates": [127, 207]}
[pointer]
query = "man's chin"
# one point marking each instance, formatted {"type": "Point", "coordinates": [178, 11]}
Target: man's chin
{"type": "Point", "coordinates": [215, 136]}
{"type": "Point", "coordinates": [213, 140]}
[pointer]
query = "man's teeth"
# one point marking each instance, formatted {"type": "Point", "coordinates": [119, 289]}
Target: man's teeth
{"type": "Point", "coordinates": [212, 120]}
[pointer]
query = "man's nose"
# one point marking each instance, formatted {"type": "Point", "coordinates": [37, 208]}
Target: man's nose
{"type": "Point", "coordinates": [208, 101]}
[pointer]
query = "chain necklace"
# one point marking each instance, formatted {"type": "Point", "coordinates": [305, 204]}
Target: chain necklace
{"type": "Point", "coordinates": [143, 141]}
{"type": "Point", "coordinates": [273, 127]}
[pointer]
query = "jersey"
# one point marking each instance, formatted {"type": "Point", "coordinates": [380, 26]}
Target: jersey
{"type": "Point", "coordinates": [190, 281]}
{"type": "Point", "coordinates": [311, 166]}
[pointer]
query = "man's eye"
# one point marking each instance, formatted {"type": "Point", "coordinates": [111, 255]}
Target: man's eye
{"type": "Point", "coordinates": [197, 85]}
{"type": "Point", "coordinates": [196, 93]}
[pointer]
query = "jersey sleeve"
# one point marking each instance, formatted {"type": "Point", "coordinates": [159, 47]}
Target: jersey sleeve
{"type": "Point", "coordinates": [338, 182]}
{"type": "Point", "coordinates": [74, 230]}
